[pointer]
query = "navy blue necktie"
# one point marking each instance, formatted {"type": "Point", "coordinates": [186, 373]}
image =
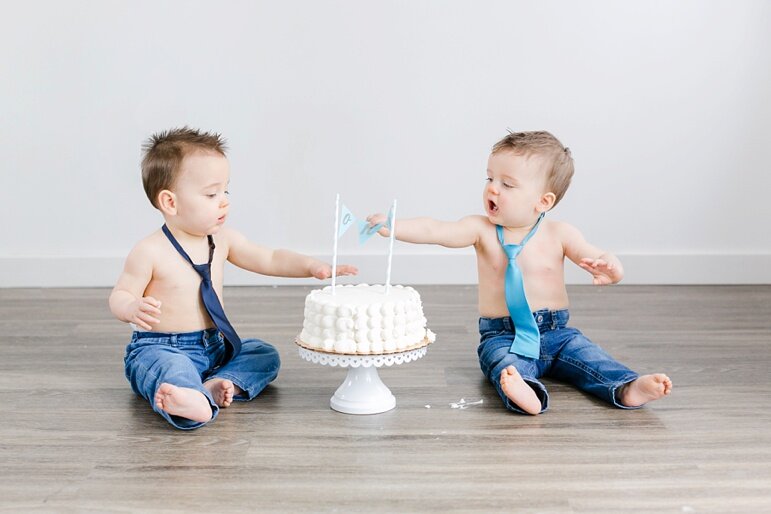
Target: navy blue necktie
{"type": "Point", "coordinates": [527, 338]}
{"type": "Point", "coordinates": [210, 299]}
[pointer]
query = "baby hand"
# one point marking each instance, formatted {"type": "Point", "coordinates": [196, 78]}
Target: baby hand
{"type": "Point", "coordinates": [604, 273]}
{"type": "Point", "coordinates": [377, 219]}
{"type": "Point", "coordinates": [143, 312]}
{"type": "Point", "coordinates": [323, 270]}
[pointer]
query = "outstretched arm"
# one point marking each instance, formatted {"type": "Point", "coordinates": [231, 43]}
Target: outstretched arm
{"type": "Point", "coordinates": [451, 234]}
{"type": "Point", "coordinates": [604, 266]}
{"type": "Point", "coordinates": [279, 263]}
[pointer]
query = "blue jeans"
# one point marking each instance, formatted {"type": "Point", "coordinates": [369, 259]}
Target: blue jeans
{"type": "Point", "coordinates": [189, 359]}
{"type": "Point", "coordinates": [566, 355]}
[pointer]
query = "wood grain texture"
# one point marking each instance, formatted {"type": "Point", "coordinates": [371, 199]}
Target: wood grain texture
{"type": "Point", "coordinates": [74, 438]}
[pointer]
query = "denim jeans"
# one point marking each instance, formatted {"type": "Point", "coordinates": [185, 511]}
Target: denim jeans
{"type": "Point", "coordinates": [189, 359]}
{"type": "Point", "coordinates": [566, 355]}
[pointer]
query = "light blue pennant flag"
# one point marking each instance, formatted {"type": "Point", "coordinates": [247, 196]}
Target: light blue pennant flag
{"type": "Point", "coordinates": [347, 220]}
{"type": "Point", "coordinates": [365, 231]}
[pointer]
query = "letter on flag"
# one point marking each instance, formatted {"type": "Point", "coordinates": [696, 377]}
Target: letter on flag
{"type": "Point", "coordinates": [346, 220]}
{"type": "Point", "coordinates": [365, 231]}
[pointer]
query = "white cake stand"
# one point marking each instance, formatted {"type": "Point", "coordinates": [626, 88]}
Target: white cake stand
{"type": "Point", "coordinates": [362, 391]}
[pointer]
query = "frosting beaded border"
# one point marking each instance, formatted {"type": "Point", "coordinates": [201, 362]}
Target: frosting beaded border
{"type": "Point", "coordinates": [364, 361]}
{"type": "Point", "coordinates": [425, 342]}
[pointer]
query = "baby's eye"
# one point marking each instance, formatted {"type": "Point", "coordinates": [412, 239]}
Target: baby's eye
{"type": "Point", "coordinates": [227, 192]}
{"type": "Point", "coordinates": [211, 195]}
{"type": "Point", "coordinates": [488, 179]}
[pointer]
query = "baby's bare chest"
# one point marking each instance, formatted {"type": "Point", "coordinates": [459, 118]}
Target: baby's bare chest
{"type": "Point", "coordinates": [542, 257]}
{"type": "Point", "coordinates": [175, 276]}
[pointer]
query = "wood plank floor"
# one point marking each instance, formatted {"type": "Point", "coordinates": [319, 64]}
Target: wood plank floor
{"type": "Point", "coordinates": [74, 438]}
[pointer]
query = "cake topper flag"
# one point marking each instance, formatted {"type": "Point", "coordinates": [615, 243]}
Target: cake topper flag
{"type": "Point", "coordinates": [365, 231]}
{"type": "Point", "coordinates": [344, 219]}
{"type": "Point", "coordinates": [347, 220]}
{"type": "Point", "coordinates": [389, 220]}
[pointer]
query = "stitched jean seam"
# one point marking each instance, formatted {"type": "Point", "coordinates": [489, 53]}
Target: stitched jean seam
{"type": "Point", "coordinates": [580, 365]}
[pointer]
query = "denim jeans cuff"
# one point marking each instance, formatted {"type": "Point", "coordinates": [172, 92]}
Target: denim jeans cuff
{"type": "Point", "coordinates": [619, 385]}
{"type": "Point", "coordinates": [539, 389]}
{"type": "Point", "coordinates": [188, 424]}
{"type": "Point", "coordinates": [246, 394]}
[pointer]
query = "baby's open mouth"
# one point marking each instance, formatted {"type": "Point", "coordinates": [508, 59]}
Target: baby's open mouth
{"type": "Point", "coordinates": [491, 206]}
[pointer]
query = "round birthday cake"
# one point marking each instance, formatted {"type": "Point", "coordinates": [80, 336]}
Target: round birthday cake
{"type": "Point", "coordinates": [364, 319]}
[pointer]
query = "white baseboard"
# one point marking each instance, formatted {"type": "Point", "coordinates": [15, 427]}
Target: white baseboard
{"type": "Point", "coordinates": [407, 269]}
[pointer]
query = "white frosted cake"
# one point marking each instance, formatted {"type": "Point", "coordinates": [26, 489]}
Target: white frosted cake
{"type": "Point", "coordinates": [363, 319]}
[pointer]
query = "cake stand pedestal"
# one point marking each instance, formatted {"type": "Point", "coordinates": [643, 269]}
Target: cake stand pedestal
{"type": "Point", "coordinates": [362, 391]}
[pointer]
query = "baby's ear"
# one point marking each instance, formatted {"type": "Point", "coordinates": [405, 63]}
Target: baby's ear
{"type": "Point", "coordinates": [546, 202]}
{"type": "Point", "coordinates": [167, 202]}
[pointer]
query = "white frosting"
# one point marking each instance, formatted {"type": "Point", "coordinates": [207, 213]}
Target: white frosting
{"type": "Point", "coordinates": [364, 319]}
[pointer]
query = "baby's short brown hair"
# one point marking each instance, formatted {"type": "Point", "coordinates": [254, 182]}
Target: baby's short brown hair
{"type": "Point", "coordinates": [542, 143]}
{"type": "Point", "coordinates": [164, 151]}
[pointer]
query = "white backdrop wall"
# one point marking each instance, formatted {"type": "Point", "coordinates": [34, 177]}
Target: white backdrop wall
{"type": "Point", "coordinates": [665, 105]}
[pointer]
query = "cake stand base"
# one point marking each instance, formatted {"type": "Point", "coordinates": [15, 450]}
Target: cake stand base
{"type": "Point", "coordinates": [362, 391]}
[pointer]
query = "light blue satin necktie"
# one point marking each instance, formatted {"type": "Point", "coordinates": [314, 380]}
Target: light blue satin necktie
{"type": "Point", "coordinates": [527, 339]}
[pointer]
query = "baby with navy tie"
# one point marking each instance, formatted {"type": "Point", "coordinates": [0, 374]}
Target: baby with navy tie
{"type": "Point", "coordinates": [520, 263]}
{"type": "Point", "coordinates": [185, 357]}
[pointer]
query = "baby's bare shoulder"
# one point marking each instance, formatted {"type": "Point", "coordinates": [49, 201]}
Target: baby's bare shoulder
{"type": "Point", "coordinates": [477, 218]}
{"type": "Point", "coordinates": [488, 237]}
{"type": "Point", "coordinates": [560, 231]}
{"type": "Point", "coordinates": [141, 262]}
{"type": "Point", "coordinates": [228, 238]}
{"type": "Point", "coordinates": [153, 242]}
{"type": "Point", "coordinates": [560, 228]}
{"type": "Point", "coordinates": [477, 222]}
{"type": "Point", "coordinates": [149, 248]}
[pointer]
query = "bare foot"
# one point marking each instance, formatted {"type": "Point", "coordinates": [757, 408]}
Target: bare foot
{"type": "Point", "coordinates": [645, 389]}
{"type": "Point", "coordinates": [184, 402]}
{"type": "Point", "coordinates": [517, 390]}
{"type": "Point", "coordinates": [222, 390]}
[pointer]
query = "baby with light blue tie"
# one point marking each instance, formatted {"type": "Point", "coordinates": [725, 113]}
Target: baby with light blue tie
{"type": "Point", "coordinates": [523, 301]}
{"type": "Point", "coordinates": [185, 357]}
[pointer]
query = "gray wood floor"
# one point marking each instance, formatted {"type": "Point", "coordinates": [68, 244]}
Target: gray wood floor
{"type": "Point", "coordinates": [74, 438]}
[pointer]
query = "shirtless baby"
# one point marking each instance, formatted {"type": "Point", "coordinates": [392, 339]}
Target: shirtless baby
{"type": "Point", "coordinates": [527, 175]}
{"type": "Point", "coordinates": [185, 357]}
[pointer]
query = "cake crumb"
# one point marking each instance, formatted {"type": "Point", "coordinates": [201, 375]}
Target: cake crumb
{"type": "Point", "coordinates": [463, 404]}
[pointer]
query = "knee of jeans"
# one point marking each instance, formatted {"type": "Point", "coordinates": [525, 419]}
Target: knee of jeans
{"type": "Point", "coordinates": [275, 359]}
{"type": "Point", "coordinates": [139, 360]}
{"type": "Point", "coordinates": [494, 352]}
{"type": "Point", "coordinates": [263, 351]}
{"type": "Point", "coordinates": [487, 362]}
{"type": "Point", "coordinates": [583, 348]}
{"type": "Point", "coordinates": [160, 363]}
